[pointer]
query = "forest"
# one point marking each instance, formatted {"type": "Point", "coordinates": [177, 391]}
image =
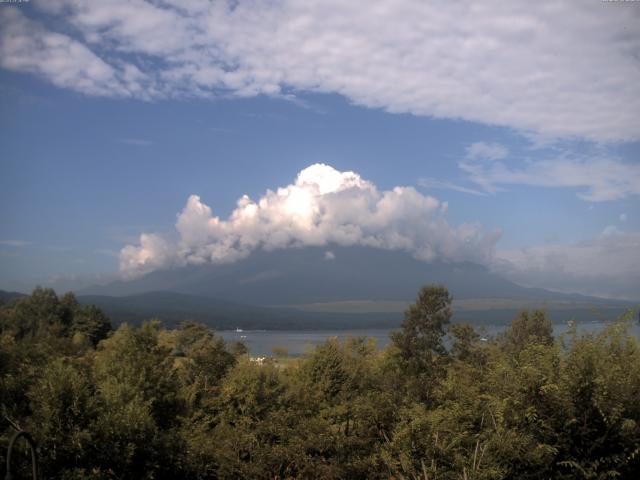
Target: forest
{"type": "Point", "coordinates": [147, 402]}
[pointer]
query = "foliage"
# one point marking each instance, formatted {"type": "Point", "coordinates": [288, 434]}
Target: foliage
{"type": "Point", "coordinates": [420, 350]}
{"type": "Point", "coordinates": [437, 403]}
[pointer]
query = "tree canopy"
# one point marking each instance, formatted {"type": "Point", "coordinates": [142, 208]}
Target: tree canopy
{"type": "Point", "coordinates": [145, 402]}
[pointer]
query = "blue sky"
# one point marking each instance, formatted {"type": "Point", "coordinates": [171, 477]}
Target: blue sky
{"type": "Point", "coordinates": [109, 124]}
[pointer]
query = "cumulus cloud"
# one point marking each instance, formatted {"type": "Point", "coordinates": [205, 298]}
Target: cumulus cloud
{"type": "Point", "coordinates": [153, 252]}
{"type": "Point", "coordinates": [323, 206]}
{"type": "Point", "coordinates": [607, 265]}
{"type": "Point", "coordinates": [554, 69]}
{"type": "Point", "coordinates": [598, 178]}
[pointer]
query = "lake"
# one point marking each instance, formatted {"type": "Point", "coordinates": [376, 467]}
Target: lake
{"type": "Point", "coordinates": [262, 342]}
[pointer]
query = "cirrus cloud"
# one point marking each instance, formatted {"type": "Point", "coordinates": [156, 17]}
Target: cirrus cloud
{"type": "Point", "coordinates": [553, 69]}
{"type": "Point", "coordinates": [597, 178]}
{"type": "Point", "coordinates": [322, 206]}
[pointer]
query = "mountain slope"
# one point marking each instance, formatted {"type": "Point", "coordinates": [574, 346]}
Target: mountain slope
{"type": "Point", "coordinates": [6, 297]}
{"type": "Point", "coordinates": [310, 275]}
{"type": "Point", "coordinates": [173, 308]}
{"type": "Point", "coordinates": [353, 287]}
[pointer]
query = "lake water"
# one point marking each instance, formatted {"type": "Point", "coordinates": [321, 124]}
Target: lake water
{"type": "Point", "coordinates": [297, 342]}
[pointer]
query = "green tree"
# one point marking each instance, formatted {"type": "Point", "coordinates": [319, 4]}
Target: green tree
{"type": "Point", "coordinates": [465, 340]}
{"type": "Point", "coordinates": [599, 427]}
{"type": "Point", "coordinates": [39, 315]}
{"type": "Point", "coordinates": [527, 328]}
{"type": "Point", "coordinates": [64, 407]}
{"type": "Point", "coordinates": [421, 353]}
{"type": "Point", "coordinates": [139, 403]}
{"type": "Point", "coordinates": [91, 322]}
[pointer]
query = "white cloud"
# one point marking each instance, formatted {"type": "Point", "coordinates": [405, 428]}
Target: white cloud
{"type": "Point", "coordinates": [434, 183]}
{"type": "Point", "coordinates": [556, 69]}
{"type": "Point", "coordinates": [598, 178]}
{"type": "Point", "coordinates": [623, 217]}
{"type": "Point", "coordinates": [13, 243]}
{"type": "Point", "coordinates": [152, 253]}
{"type": "Point", "coordinates": [610, 230]}
{"type": "Point", "coordinates": [73, 281]}
{"type": "Point", "coordinates": [26, 46]}
{"type": "Point", "coordinates": [608, 265]}
{"type": "Point", "coordinates": [490, 151]}
{"type": "Point", "coordinates": [323, 206]}
{"type": "Point", "coordinates": [329, 255]}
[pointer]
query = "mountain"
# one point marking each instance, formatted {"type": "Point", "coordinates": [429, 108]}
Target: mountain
{"type": "Point", "coordinates": [172, 308]}
{"type": "Point", "coordinates": [312, 275]}
{"type": "Point", "coordinates": [349, 287]}
{"type": "Point", "coordinates": [6, 297]}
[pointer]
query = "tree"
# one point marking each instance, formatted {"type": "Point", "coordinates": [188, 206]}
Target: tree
{"type": "Point", "coordinates": [139, 403]}
{"type": "Point", "coordinates": [599, 427]}
{"type": "Point", "coordinates": [91, 322]}
{"type": "Point", "coordinates": [43, 315]}
{"type": "Point", "coordinates": [63, 407]}
{"type": "Point", "coordinates": [419, 343]}
{"type": "Point", "coordinates": [151, 403]}
{"type": "Point", "coordinates": [528, 328]}
{"type": "Point", "coordinates": [465, 339]}
{"type": "Point", "coordinates": [38, 315]}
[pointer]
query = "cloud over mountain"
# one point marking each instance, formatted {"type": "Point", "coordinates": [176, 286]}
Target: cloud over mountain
{"type": "Point", "coordinates": [492, 62]}
{"type": "Point", "coordinates": [607, 265]}
{"type": "Point", "coordinates": [322, 206]}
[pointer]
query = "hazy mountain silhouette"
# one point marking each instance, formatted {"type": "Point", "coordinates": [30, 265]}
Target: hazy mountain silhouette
{"type": "Point", "coordinates": [309, 275]}
{"type": "Point", "coordinates": [352, 287]}
{"type": "Point", "coordinates": [172, 308]}
{"type": "Point", "coordinates": [6, 297]}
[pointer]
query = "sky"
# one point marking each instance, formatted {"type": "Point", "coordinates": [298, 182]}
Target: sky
{"type": "Point", "coordinates": [144, 135]}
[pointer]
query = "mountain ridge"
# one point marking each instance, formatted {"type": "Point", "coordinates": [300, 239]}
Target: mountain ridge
{"type": "Point", "coordinates": [173, 308]}
{"type": "Point", "coordinates": [310, 275]}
